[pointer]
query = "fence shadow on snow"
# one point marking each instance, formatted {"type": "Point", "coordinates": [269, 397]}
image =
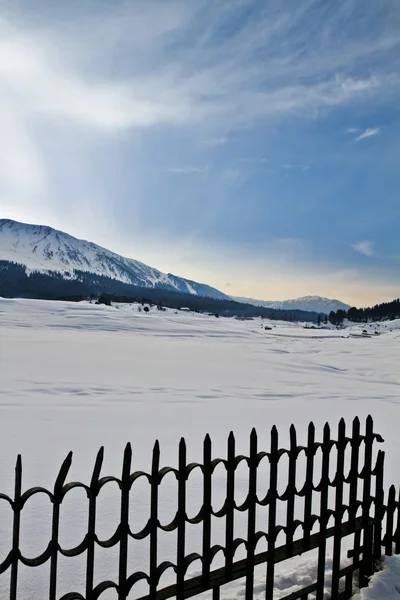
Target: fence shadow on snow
{"type": "Point", "coordinates": [374, 526]}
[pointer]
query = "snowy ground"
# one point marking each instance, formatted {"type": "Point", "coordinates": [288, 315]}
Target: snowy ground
{"type": "Point", "coordinates": [384, 585]}
{"type": "Point", "coordinates": [78, 376]}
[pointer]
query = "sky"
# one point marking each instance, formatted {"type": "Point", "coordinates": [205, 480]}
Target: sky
{"type": "Point", "coordinates": [253, 145]}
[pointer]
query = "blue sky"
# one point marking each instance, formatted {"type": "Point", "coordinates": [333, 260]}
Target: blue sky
{"type": "Point", "coordinates": [252, 145]}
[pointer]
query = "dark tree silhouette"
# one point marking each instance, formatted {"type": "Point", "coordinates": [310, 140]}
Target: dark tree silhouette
{"type": "Point", "coordinates": [15, 282]}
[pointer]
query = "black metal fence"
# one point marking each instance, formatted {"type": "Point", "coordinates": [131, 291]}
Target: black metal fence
{"type": "Point", "coordinates": [373, 525]}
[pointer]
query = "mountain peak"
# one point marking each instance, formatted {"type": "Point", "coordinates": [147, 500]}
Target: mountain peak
{"type": "Point", "coordinates": [317, 304]}
{"type": "Point", "coordinates": [42, 248]}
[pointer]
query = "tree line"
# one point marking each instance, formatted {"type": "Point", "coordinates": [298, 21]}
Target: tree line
{"type": "Point", "coordinates": [380, 312]}
{"type": "Point", "coordinates": [15, 282]}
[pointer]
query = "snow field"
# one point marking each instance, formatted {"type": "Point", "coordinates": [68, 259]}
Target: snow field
{"type": "Point", "coordinates": [79, 376]}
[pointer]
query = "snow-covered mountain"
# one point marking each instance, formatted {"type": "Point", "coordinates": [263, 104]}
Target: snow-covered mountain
{"type": "Point", "coordinates": [42, 248]}
{"type": "Point", "coordinates": [310, 303]}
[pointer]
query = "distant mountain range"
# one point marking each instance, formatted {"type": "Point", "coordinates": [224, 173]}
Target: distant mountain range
{"type": "Point", "coordinates": [44, 249]}
{"type": "Point", "coordinates": [309, 303]}
{"type": "Point", "coordinates": [49, 253]}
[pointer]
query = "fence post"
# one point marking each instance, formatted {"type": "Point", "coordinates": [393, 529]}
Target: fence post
{"type": "Point", "coordinates": [57, 499]}
{"type": "Point", "coordinates": [272, 498]}
{"type": "Point", "coordinates": [180, 567]}
{"type": "Point", "coordinates": [230, 506]}
{"type": "Point", "coordinates": [396, 536]}
{"type": "Point", "coordinates": [16, 527]}
{"type": "Point", "coordinates": [291, 490]}
{"type": "Point", "coordinates": [366, 566]}
{"type": "Point", "coordinates": [324, 488]}
{"type": "Point", "coordinates": [124, 523]}
{"type": "Point", "coordinates": [207, 508]}
{"type": "Point", "coordinates": [379, 506]}
{"type": "Point", "coordinates": [155, 466]}
{"type": "Point", "coordinates": [391, 507]}
{"type": "Point", "coordinates": [308, 486]}
{"type": "Point", "coordinates": [341, 448]}
{"type": "Point", "coordinates": [251, 523]}
{"type": "Point", "coordinates": [353, 502]}
{"type": "Point", "coordinates": [92, 522]}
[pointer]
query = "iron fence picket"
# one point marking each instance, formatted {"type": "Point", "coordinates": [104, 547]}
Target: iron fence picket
{"type": "Point", "coordinates": [124, 524]}
{"type": "Point", "coordinates": [396, 537]}
{"type": "Point", "coordinates": [251, 515]}
{"type": "Point", "coordinates": [153, 573]}
{"type": "Point", "coordinates": [291, 490]}
{"type": "Point", "coordinates": [272, 500]}
{"type": "Point", "coordinates": [378, 506]}
{"type": "Point", "coordinates": [367, 555]}
{"type": "Point", "coordinates": [337, 540]}
{"type": "Point", "coordinates": [57, 500]}
{"type": "Point", "coordinates": [16, 528]}
{"type": "Point", "coordinates": [207, 510]}
{"type": "Point", "coordinates": [308, 485]}
{"type": "Point", "coordinates": [230, 505]}
{"type": "Point", "coordinates": [181, 522]}
{"type": "Point", "coordinates": [92, 493]}
{"type": "Point", "coordinates": [324, 515]}
{"type": "Point", "coordinates": [353, 498]}
{"type": "Point", "coordinates": [390, 511]}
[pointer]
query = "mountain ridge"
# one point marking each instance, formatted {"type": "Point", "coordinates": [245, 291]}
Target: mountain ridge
{"type": "Point", "coordinates": [43, 248]}
{"type": "Point", "coordinates": [317, 304]}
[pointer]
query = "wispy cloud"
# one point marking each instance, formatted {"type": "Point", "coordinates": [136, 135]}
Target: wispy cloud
{"type": "Point", "coordinates": [233, 176]}
{"type": "Point", "coordinates": [363, 133]}
{"type": "Point", "coordinates": [217, 141]}
{"type": "Point", "coordinates": [186, 170]}
{"type": "Point", "coordinates": [71, 82]}
{"type": "Point", "coordinates": [294, 167]}
{"type": "Point", "coordinates": [369, 132]}
{"type": "Point", "coordinates": [250, 160]}
{"type": "Point", "coordinates": [365, 247]}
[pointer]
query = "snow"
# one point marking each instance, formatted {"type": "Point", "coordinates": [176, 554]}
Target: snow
{"type": "Point", "coordinates": [384, 585]}
{"type": "Point", "coordinates": [78, 376]}
{"type": "Point", "coordinates": [42, 248]}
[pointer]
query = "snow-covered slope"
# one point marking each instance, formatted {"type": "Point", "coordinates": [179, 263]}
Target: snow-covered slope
{"type": "Point", "coordinates": [311, 303]}
{"type": "Point", "coordinates": [43, 248]}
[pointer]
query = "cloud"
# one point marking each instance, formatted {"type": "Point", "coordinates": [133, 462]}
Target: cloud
{"type": "Point", "coordinates": [233, 176]}
{"type": "Point", "coordinates": [253, 160]}
{"type": "Point", "coordinates": [369, 132]}
{"type": "Point", "coordinates": [166, 84]}
{"type": "Point", "coordinates": [291, 167]}
{"type": "Point", "coordinates": [352, 130]}
{"type": "Point", "coordinates": [186, 170]}
{"type": "Point", "coordinates": [218, 141]}
{"type": "Point", "coordinates": [365, 247]}
{"type": "Point", "coordinates": [75, 79]}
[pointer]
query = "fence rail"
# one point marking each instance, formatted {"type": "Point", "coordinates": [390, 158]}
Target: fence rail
{"type": "Point", "coordinates": [372, 524]}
